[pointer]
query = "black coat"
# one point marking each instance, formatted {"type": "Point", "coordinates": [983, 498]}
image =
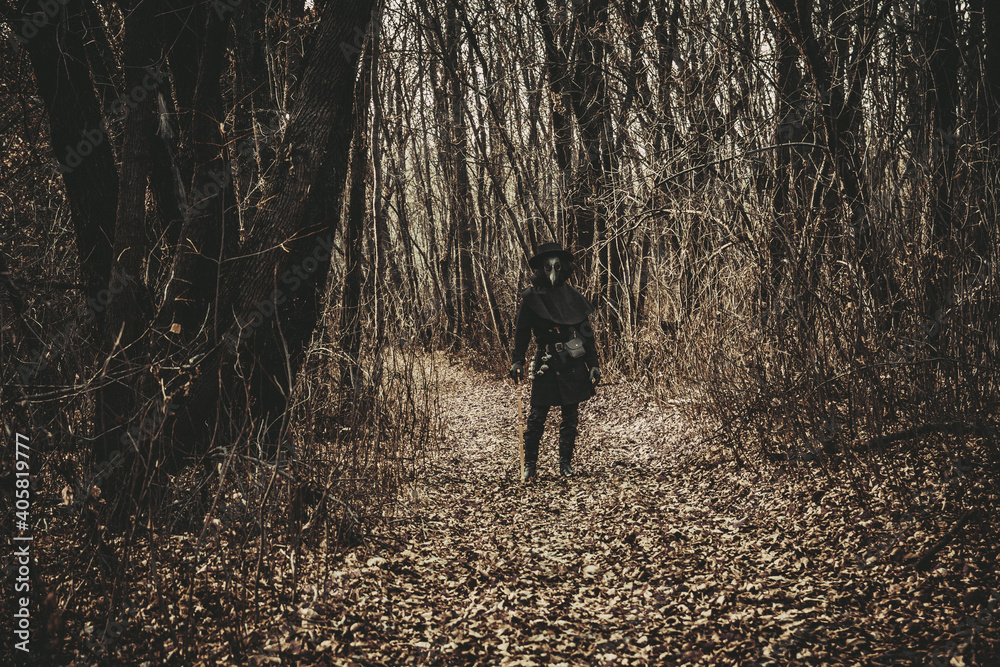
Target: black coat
{"type": "Point", "coordinates": [554, 316]}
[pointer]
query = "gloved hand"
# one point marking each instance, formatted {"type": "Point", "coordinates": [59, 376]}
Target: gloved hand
{"type": "Point", "coordinates": [595, 376]}
{"type": "Point", "coordinates": [516, 371]}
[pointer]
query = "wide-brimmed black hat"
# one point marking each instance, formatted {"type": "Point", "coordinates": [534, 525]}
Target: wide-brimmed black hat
{"type": "Point", "coordinates": [546, 249]}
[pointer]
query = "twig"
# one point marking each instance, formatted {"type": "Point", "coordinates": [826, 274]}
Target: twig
{"type": "Point", "coordinates": [952, 428]}
{"type": "Point", "coordinates": [924, 561]}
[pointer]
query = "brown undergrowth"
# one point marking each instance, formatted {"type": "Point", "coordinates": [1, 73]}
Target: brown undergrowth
{"type": "Point", "coordinates": [662, 551]}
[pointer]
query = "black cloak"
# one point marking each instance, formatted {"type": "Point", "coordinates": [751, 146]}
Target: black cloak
{"type": "Point", "coordinates": [555, 315]}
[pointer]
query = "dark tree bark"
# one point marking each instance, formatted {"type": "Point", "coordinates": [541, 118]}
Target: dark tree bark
{"type": "Point", "coordinates": [476, 57]}
{"type": "Point", "coordinates": [270, 294]}
{"type": "Point", "coordinates": [256, 120]}
{"type": "Point", "coordinates": [839, 98]}
{"type": "Point", "coordinates": [78, 134]}
{"type": "Point", "coordinates": [457, 266]}
{"type": "Point", "coordinates": [941, 47]}
{"type": "Point", "coordinates": [588, 94]}
{"type": "Point", "coordinates": [991, 49]}
{"type": "Point", "coordinates": [205, 228]}
{"type": "Point", "coordinates": [789, 128]}
{"type": "Point", "coordinates": [354, 234]}
{"type": "Point", "coordinates": [622, 311]}
{"type": "Point", "coordinates": [557, 72]}
{"type": "Point", "coordinates": [463, 218]}
{"type": "Point", "coordinates": [186, 24]}
{"type": "Point", "coordinates": [643, 286]}
{"type": "Point", "coordinates": [660, 116]}
{"type": "Point", "coordinates": [988, 230]}
{"type": "Point", "coordinates": [578, 89]}
{"type": "Point", "coordinates": [128, 313]}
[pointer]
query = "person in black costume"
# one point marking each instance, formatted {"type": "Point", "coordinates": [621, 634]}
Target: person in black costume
{"type": "Point", "coordinates": [565, 366]}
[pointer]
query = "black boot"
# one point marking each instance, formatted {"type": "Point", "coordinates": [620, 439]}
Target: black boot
{"type": "Point", "coordinates": [532, 437]}
{"type": "Point", "coordinates": [567, 438]}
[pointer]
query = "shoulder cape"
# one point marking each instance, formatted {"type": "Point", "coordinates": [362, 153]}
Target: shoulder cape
{"type": "Point", "coordinates": [562, 304]}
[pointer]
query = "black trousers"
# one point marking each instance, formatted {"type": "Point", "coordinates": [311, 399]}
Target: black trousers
{"type": "Point", "coordinates": [567, 431]}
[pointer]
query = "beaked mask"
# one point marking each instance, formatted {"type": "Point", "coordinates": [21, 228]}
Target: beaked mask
{"type": "Point", "coordinates": [553, 270]}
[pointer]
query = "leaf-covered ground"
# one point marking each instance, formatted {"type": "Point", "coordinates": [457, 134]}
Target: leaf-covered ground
{"type": "Point", "coordinates": [661, 551]}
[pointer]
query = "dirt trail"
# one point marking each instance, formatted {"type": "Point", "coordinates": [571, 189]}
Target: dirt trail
{"type": "Point", "coordinates": [657, 553]}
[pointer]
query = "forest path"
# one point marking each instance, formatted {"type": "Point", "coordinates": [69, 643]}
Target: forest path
{"type": "Point", "coordinates": [657, 553]}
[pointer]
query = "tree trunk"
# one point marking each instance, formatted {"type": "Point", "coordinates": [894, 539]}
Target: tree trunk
{"type": "Point", "coordinates": [839, 100]}
{"type": "Point", "coordinates": [128, 313]}
{"type": "Point", "coordinates": [557, 71]}
{"type": "Point", "coordinates": [590, 106]}
{"type": "Point", "coordinates": [942, 52]}
{"type": "Point", "coordinates": [789, 128]}
{"type": "Point", "coordinates": [991, 48]}
{"type": "Point", "coordinates": [461, 197]}
{"type": "Point", "coordinates": [988, 230]}
{"type": "Point", "coordinates": [78, 135]}
{"type": "Point", "coordinates": [270, 294]}
{"type": "Point", "coordinates": [350, 305]}
{"type": "Point", "coordinates": [205, 228]}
